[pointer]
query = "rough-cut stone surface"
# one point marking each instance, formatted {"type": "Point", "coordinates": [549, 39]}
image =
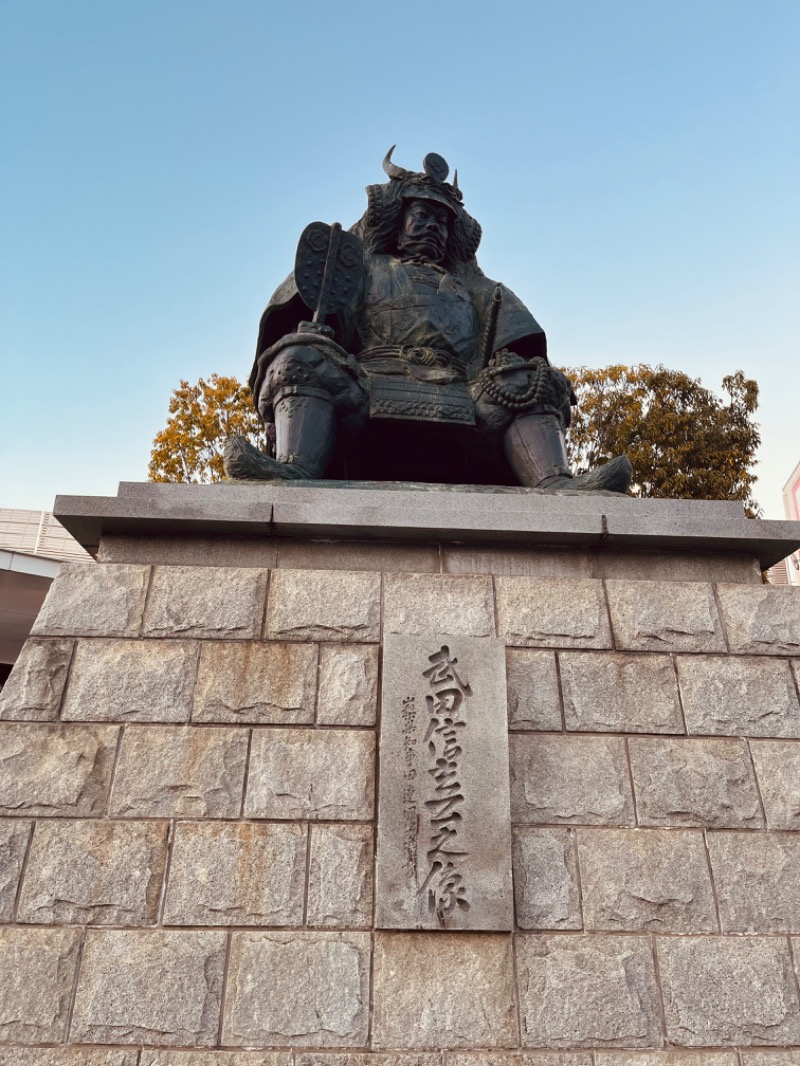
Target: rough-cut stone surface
{"type": "Point", "coordinates": [261, 683]}
{"type": "Point", "coordinates": [55, 769]}
{"type": "Point", "coordinates": [124, 976]}
{"type": "Point", "coordinates": [583, 991]}
{"type": "Point", "coordinates": [761, 618]}
{"type": "Point", "coordinates": [14, 836]}
{"type": "Point", "coordinates": [94, 873]}
{"type": "Point", "coordinates": [180, 771]}
{"type": "Point", "coordinates": [728, 991]}
{"type": "Point", "coordinates": [298, 989]}
{"type": "Point", "coordinates": [348, 684]}
{"type": "Point", "coordinates": [325, 775]}
{"type": "Point", "coordinates": [340, 876]}
{"type": "Point", "coordinates": [694, 783]}
{"type": "Point", "coordinates": [37, 974]}
{"type": "Point", "coordinates": [552, 614]}
{"type": "Point", "coordinates": [667, 1058]}
{"type": "Point", "coordinates": [546, 879]}
{"type": "Point", "coordinates": [443, 990]}
{"type": "Point", "coordinates": [533, 698]}
{"type": "Point", "coordinates": [438, 603]}
{"type": "Point", "coordinates": [647, 879]}
{"type": "Point", "coordinates": [570, 779]}
{"type": "Point", "coordinates": [136, 681]}
{"type": "Point", "coordinates": [324, 605]}
{"type": "Point", "coordinates": [34, 688]}
{"type": "Point", "coordinates": [228, 873]}
{"type": "Point", "coordinates": [206, 601]}
{"type": "Point", "coordinates": [89, 600]}
{"type": "Point", "coordinates": [777, 766]}
{"type": "Point", "coordinates": [664, 616]}
{"type": "Point", "coordinates": [614, 692]}
{"type": "Point", "coordinates": [215, 1058]}
{"type": "Point", "coordinates": [67, 1056]}
{"type": "Point", "coordinates": [757, 877]}
{"type": "Point", "coordinates": [444, 831]}
{"type": "Point", "coordinates": [734, 696]}
{"type": "Point", "coordinates": [771, 1058]}
{"type": "Point", "coordinates": [361, 1058]}
{"type": "Point", "coordinates": [519, 1058]}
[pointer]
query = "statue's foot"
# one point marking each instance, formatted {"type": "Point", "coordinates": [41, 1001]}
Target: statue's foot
{"type": "Point", "coordinates": [615, 476]}
{"type": "Point", "coordinates": [243, 462]}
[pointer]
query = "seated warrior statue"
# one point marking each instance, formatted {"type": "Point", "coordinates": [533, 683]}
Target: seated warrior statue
{"type": "Point", "coordinates": [416, 367]}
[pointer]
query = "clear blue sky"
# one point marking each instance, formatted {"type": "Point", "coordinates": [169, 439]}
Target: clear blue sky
{"type": "Point", "coordinates": [635, 165]}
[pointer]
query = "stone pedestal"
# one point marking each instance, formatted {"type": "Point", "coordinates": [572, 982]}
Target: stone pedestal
{"type": "Point", "coordinates": [190, 774]}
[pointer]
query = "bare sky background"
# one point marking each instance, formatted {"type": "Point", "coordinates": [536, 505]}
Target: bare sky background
{"type": "Point", "coordinates": [634, 165]}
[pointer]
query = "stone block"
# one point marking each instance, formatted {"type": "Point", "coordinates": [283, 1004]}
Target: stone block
{"type": "Point", "coordinates": [54, 769]}
{"type": "Point", "coordinates": [324, 605]}
{"type": "Point", "coordinates": [180, 771]}
{"type": "Point", "coordinates": [206, 601]}
{"type": "Point", "coordinates": [536, 561]}
{"type": "Point", "coordinates": [443, 990]}
{"type": "Point", "coordinates": [94, 600]}
{"type": "Point", "coordinates": [728, 991]}
{"type": "Point", "coordinates": [267, 684]}
{"type": "Point", "coordinates": [519, 1058]}
{"type": "Point", "coordinates": [150, 1057]}
{"type": "Point", "coordinates": [415, 604]}
{"type": "Point", "coordinates": [581, 991]}
{"type": "Point", "coordinates": [135, 681]}
{"type": "Point", "coordinates": [570, 780]}
{"type": "Point", "coordinates": [375, 556]}
{"type": "Point", "coordinates": [619, 693]}
{"type": "Point", "coordinates": [666, 1058]}
{"type": "Point", "coordinates": [646, 879]}
{"type": "Point", "coordinates": [234, 873]}
{"type": "Point", "coordinates": [94, 873]}
{"type": "Point", "coordinates": [665, 616]}
{"type": "Point", "coordinates": [757, 877]}
{"type": "Point", "coordinates": [738, 696]}
{"type": "Point", "coordinates": [298, 990]}
{"type": "Point", "coordinates": [34, 688]}
{"type": "Point", "coordinates": [761, 619]}
{"type": "Point", "coordinates": [534, 701]}
{"type": "Point", "coordinates": [771, 1058]}
{"type": "Point", "coordinates": [707, 783]}
{"type": "Point", "coordinates": [340, 876]}
{"type": "Point", "coordinates": [67, 1056]}
{"type": "Point", "coordinates": [348, 684]}
{"type": "Point", "coordinates": [551, 613]}
{"type": "Point", "coordinates": [37, 975]}
{"type": "Point", "coordinates": [14, 837]}
{"type": "Point", "coordinates": [777, 766]}
{"type": "Point", "coordinates": [124, 975]}
{"type": "Point", "coordinates": [444, 832]}
{"type": "Point", "coordinates": [677, 566]}
{"type": "Point", "coordinates": [546, 879]}
{"type": "Point", "coordinates": [361, 1058]}
{"type": "Point", "coordinates": [186, 549]}
{"type": "Point", "coordinates": [325, 775]}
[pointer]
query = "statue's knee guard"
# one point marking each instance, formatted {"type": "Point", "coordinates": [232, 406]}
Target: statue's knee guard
{"type": "Point", "coordinates": [510, 387]}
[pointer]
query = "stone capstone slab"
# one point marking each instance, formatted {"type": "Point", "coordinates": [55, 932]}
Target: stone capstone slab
{"type": "Point", "coordinates": [263, 683]}
{"type": "Point", "coordinates": [444, 829]}
{"type": "Point", "coordinates": [738, 696]}
{"type": "Point", "coordinates": [777, 766]}
{"type": "Point", "coordinates": [34, 688]}
{"type": "Point", "coordinates": [14, 837]}
{"type": "Point", "coordinates": [728, 991]}
{"type": "Point", "coordinates": [763, 621]}
{"type": "Point", "coordinates": [121, 998]}
{"type": "Point", "coordinates": [665, 616]}
{"type": "Point", "coordinates": [570, 779]}
{"type": "Point", "coordinates": [190, 601]}
{"type": "Point", "coordinates": [229, 873]}
{"type": "Point", "coordinates": [94, 601]}
{"type": "Point", "coordinates": [582, 991]}
{"type": "Point", "coordinates": [54, 769]}
{"type": "Point", "coordinates": [348, 684]}
{"type": "Point", "coordinates": [615, 692]}
{"type": "Point", "coordinates": [136, 681]}
{"type": "Point", "coordinates": [298, 989]}
{"type": "Point", "coordinates": [340, 876]}
{"type": "Point", "coordinates": [325, 775]}
{"type": "Point", "coordinates": [552, 614]}
{"type": "Point", "coordinates": [180, 771]}
{"type": "Point", "coordinates": [94, 873]}
{"type": "Point", "coordinates": [546, 879]}
{"type": "Point", "coordinates": [757, 877]}
{"type": "Point", "coordinates": [37, 975]}
{"type": "Point", "coordinates": [649, 879]}
{"type": "Point", "coordinates": [324, 605]}
{"type": "Point", "coordinates": [534, 701]}
{"type": "Point", "coordinates": [418, 604]}
{"type": "Point", "coordinates": [443, 990]}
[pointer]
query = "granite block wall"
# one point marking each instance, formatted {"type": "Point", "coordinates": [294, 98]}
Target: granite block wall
{"type": "Point", "coordinates": [188, 781]}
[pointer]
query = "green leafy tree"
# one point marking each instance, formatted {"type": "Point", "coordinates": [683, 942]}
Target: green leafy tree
{"type": "Point", "coordinates": [201, 418]}
{"type": "Point", "coordinates": [682, 440]}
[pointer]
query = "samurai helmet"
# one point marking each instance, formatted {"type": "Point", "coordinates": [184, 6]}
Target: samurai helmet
{"type": "Point", "coordinates": [430, 185]}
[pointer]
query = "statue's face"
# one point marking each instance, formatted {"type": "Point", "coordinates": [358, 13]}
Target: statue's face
{"type": "Point", "coordinates": [424, 230]}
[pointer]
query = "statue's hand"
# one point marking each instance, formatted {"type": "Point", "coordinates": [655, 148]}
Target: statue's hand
{"type": "Point", "coordinates": [315, 327]}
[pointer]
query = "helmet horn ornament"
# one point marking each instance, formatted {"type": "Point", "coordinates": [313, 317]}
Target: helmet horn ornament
{"type": "Point", "coordinates": [392, 169]}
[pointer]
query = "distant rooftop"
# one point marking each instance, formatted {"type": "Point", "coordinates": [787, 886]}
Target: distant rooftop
{"type": "Point", "coordinates": [38, 533]}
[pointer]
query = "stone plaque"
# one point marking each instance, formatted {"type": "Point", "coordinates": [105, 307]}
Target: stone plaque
{"type": "Point", "coordinates": [444, 818]}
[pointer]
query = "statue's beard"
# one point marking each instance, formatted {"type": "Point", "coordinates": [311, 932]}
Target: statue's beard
{"type": "Point", "coordinates": [427, 246]}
